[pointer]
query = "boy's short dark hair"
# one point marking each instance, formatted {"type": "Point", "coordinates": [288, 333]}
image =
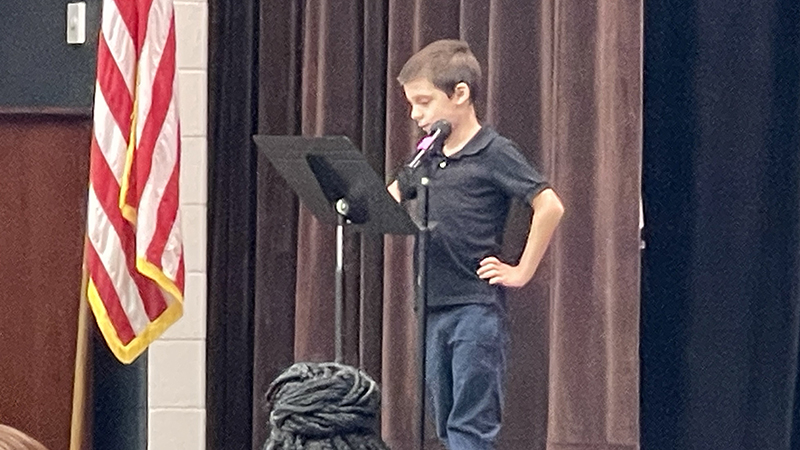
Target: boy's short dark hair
{"type": "Point", "coordinates": [444, 63]}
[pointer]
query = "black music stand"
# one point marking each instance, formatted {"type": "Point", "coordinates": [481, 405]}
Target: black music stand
{"type": "Point", "coordinates": [335, 181]}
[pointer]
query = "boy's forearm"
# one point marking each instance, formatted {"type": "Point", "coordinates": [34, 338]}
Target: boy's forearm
{"type": "Point", "coordinates": [547, 212]}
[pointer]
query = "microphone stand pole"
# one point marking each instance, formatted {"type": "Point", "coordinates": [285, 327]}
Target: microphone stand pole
{"type": "Point", "coordinates": [342, 209]}
{"type": "Point", "coordinates": [421, 304]}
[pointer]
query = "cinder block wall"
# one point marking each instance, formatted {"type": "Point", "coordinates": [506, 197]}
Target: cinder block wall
{"type": "Point", "coordinates": [177, 361]}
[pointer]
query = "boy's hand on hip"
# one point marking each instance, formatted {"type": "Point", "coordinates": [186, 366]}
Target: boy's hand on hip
{"type": "Point", "coordinates": [498, 272]}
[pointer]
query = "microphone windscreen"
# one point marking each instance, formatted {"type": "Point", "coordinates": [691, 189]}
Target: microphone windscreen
{"type": "Point", "coordinates": [444, 128]}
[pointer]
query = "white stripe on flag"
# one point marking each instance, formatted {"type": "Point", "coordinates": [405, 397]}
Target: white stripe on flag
{"type": "Point", "coordinates": [173, 251]}
{"type": "Point", "coordinates": [108, 135]}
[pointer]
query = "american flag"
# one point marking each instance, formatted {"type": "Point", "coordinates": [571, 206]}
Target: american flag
{"type": "Point", "coordinates": [134, 250]}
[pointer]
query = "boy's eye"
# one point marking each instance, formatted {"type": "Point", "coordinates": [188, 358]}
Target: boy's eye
{"type": "Point", "coordinates": [423, 100]}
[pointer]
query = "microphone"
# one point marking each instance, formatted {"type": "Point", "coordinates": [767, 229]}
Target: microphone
{"type": "Point", "coordinates": [439, 132]}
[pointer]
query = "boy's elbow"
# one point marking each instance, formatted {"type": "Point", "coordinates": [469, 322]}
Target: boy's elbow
{"type": "Point", "coordinates": [558, 207]}
{"type": "Point", "coordinates": [548, 200]}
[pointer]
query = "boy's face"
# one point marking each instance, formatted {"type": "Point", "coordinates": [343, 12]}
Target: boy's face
{"type": "Point", "coordinates": [429, 104]}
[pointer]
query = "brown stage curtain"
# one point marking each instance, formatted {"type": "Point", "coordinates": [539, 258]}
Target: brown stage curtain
{"type": "Point", "coordinates": [595, 134]}
{"type": "Point", "coordinates": [562, 79]}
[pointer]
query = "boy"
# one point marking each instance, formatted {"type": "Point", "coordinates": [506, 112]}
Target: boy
{"type": "Point", "coordinates": [473, 176]}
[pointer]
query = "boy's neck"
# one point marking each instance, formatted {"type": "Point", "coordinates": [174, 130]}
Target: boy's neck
{"type": "Point", "coordinates": [461, 135]}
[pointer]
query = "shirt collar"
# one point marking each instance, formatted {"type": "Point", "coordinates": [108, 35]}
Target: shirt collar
{"type": "Point", "coordinates": [480, 141]}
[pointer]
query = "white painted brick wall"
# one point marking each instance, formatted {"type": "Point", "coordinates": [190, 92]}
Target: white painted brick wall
{"type": "Point", "coordinates": [177, 361]}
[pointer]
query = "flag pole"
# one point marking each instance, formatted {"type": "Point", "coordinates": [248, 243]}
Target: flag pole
{"type": "Point", "coordinates": [77, 426]}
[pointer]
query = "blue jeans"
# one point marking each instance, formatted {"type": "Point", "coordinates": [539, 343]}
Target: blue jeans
{"type": "Point", "coordinates": [465, 366]}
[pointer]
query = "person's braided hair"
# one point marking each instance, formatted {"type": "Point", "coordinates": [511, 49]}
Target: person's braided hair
{"type": "Point", "coordinates": [323, 406]}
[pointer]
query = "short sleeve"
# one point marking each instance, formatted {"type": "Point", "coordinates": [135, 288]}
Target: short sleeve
{"type": "Point", "coordinates": [514, 175]}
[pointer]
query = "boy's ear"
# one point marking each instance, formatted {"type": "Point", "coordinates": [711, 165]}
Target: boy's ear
{"type": "Point", "coordinates": [462, 93]}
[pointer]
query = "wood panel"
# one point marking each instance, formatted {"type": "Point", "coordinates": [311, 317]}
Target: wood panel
{"type": "Point", "coordinates": [44, 164]}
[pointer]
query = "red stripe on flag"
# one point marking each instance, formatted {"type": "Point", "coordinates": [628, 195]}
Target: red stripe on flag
{"type": "Point", "coordinates": [107, 191]}
{"type": "Point", "coordinates": [127, 11]}
{"type": "Point", "coordinates": [105, 185]}
{"type": "Point", "coordinates": [161, 95]}
{"type": "Point", "coordinates": [167, 212]}
{"type": "Point", "coordinates": [115, 91]}
{"type": "Point", "coordinates": [143, 8]}
{"type": "Point", "coordinates": [152, 297]}
{"type": "Point", "coordinates": [108, 295]}
{"type": "Point", "coordinates": [181, 275]}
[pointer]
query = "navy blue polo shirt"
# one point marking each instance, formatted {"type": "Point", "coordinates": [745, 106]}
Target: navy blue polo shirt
{"type": "Point", "coordinates": [470, 193]}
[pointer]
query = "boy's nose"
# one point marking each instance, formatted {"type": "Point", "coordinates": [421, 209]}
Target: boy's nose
{"type": "Point", "coordinates": [415, 114]}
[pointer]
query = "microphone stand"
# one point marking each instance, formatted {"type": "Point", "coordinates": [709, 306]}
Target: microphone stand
{"type": "Point", "coordinates": [342, 208]}
{"type": "Point", "coordinates": [421, 284]}
{"type": "Point", "coordinates": [421, 303]}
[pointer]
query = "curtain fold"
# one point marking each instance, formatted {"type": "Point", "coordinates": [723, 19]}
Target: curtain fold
{"type": "Point", "coordinates": [332, 86]}
{"type": "Point", "coordinates": [279, 62]}
{"type": "Point", "coordinates": [232, 107]}
{"type": "Point", "coordinates": [594, 318]}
